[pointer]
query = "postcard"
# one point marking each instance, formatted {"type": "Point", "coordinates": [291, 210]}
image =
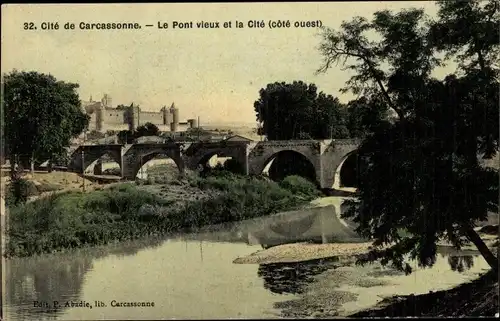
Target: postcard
{"type": "Point", "coordinates": [249, 160]}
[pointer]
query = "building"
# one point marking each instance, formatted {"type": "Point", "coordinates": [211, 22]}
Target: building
{"type": "Point", "coordinates": [104, 117]}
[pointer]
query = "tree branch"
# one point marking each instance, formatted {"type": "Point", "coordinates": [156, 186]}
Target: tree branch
{"type": "Point", "coordinates": [337, 53]}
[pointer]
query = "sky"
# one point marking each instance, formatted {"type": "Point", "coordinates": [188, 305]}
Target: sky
{"type": "Point", "coordinates": [214, 74]}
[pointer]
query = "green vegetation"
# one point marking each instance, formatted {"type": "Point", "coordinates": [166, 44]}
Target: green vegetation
{"type": "Point", "coordinates": [298, 111]}
{"type": "Point", "coordinates": [94, 135]}
{"type": "Point", "coordinates": [124, 212]}
{"type": "Point", "coordinates": [298, 185]}
{"type": "Point", "coordinates": [116, 171]}
{"type": "Point", "coordinates": [128, 136]}
{"type": "Point", "coordinates": [420, 173]}
{"type": "Point", "coordinates": [42, 115]}
{"type": "Point", "coordinates": [20, 189]}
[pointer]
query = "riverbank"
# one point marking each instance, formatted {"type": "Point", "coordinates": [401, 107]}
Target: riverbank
{"type": "Point", "coordinates": [343, 288]}
{"type": "Point", "coordinates": [473, 299]}
{"type": "Point", "coordinates": [478, 298]}
{"type": "Point", "coordinates": [127, 211]}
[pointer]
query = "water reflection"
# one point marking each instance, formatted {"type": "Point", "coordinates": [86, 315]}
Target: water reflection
{"type": "Point", "coordinates": [316, 225]}
{"type": "Point", "coordinates": [328, 288]}
{"type": "Point", "coordinates": [461, 263]}
{"type": "Point", "coordinates": [292, 278]}
{"type": "Point", "coordinates": [34, 283]}
{"type": "Point", "coordinates": [193, 280]}
{"type": "Point", "coordinates": [48, 280]}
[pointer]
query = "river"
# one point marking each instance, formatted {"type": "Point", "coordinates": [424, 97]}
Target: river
{"type": "Point", "coordinates": [192, 276]}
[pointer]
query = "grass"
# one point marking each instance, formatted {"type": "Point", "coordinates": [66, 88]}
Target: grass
{"type": "Point", "coordinates": [28, 189]}
{"type": "Point", "coordinates": [126, 212]}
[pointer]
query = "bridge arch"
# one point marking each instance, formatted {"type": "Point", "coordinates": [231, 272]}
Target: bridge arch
{"type": "Point", "coordinates": [288, 162]}
{"type": "Point", "coordinates": [105, 165]}
{"type": "Point", "coordinates": [151, 155]}
{"type": "Point", "coordinates": [86, 156]}
{"type": "Point", "coordinates": [347, 172]}
{"type": "Point", "coordinates": [236, 164]}
{"type": "Point", "coordinates": [201, 153]}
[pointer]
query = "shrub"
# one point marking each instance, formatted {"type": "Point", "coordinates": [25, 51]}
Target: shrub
{"type": "Point", "coordinates": [125, 212]}
{"type": "Point", "coordinates": [149, 180]}
{"type": "Point", "coordinates": [19, 190]}
{"type": "Point", "coordinates": [116, 171]}
{"type": "Point", "coordinates": [299, 185]}
{"type": "Point", "coordinates": [73, 219]}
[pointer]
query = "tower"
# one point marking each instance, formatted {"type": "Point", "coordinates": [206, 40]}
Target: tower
{"type": "Point", "coordinates": [167, 117]}
{"type": "Point", "coordinates": [99, 113]}
{"type": "Point", "coordinates": [193, 123]}
{"type": "Point", "coordinates": [174, 125]}
{"type": "Point", "coordinates": [132, 117]}
{"type": "Point", "coordinates": [106, 100]}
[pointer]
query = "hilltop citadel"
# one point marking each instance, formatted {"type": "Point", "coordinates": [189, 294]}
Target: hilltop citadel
{"type": "Point", "coordinates": [105, 117]}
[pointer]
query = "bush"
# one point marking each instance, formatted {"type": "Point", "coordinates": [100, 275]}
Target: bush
{"type": "Point", "coordinates": [125, 212]}
{"type": "Point", "coordinates": [19, 190]}
{"type": "Point", "coordinates": [73, 219]}
{"type": "Point", "coordinates": [230, 165]}
{"type": "Point", "coordinates": [242, 200]}
{"type": "Point", "coordinates": [299, 185]}
{"type": "Point", "coordinates": [95, 135]}
{"type": "Point", "coordinates": [116, 171]}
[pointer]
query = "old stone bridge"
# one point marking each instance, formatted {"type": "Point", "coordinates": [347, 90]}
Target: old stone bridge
{"type": "Point", "coordinates": [325, 156]}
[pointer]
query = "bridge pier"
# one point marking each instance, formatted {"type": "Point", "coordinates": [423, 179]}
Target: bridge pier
{"type": "Point", "coordinates": [332, 157]}
{"type": "Point", "coordinates": [98, 168]}
{"type": "Point", "coordinates": [135, 156]}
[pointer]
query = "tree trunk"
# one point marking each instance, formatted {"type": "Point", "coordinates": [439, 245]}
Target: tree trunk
{"type": "Point", "coordinates": [480, 57]}
{"type": "Point", "coordinates": [12, 160]}
{"type": "Point", "coordinates": [481, 246]}
{"type": "Point", "coordinates": [32, 164]}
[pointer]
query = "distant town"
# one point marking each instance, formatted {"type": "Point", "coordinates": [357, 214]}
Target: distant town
{"type": "Point", "coordinates": [106, 120]}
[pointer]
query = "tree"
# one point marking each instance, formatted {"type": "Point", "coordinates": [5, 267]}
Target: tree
{"type": "Point", "coordinates": [469, 31]}
{"type": "Point", "coordinates": [421, 173]}
{"type": "Point", "coordinates": [128, 136]}
{"type": "Point", "coordinates": [197, 133]}
{"type": "Point", "coordinates": [42, 115]}
{"type": "Point", "coordinates": [94, 134]}
{"type": "Point", "coordinates": [148, 129]}
{"type": "Point", "coordinates": [296, 110]}
{"type": "Point", "coordinates": [125, 137]}
{"type": "Point", "coordinates": [364, 116]}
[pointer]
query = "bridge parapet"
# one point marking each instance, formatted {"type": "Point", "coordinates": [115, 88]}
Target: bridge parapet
{"type": "Point", "coordinates": [201, 147]}
{"type": "Point", "coordinates": [289, 143]}
{"type": "Point", "coordinates": [347, 141]}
